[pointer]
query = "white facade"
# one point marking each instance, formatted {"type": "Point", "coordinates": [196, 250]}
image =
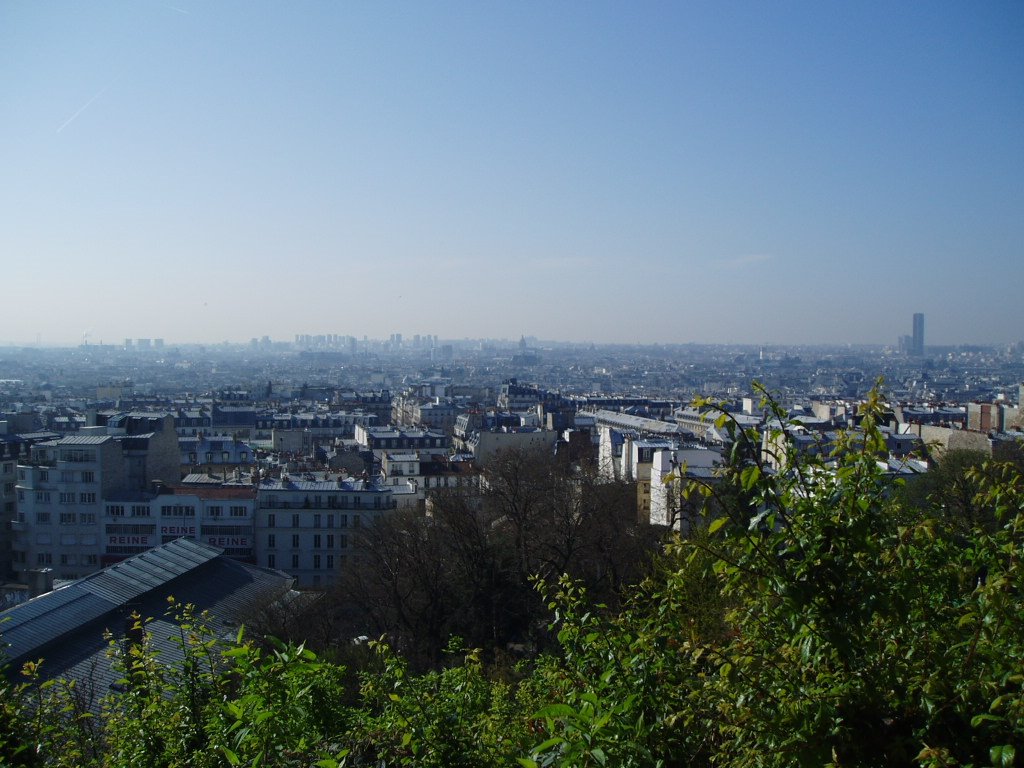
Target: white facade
{"type": "Point", "coordinates": [306, 527]}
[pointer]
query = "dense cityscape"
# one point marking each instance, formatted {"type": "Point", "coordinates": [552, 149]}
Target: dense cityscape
{"type": "Point", "coordinates": [206, 441]}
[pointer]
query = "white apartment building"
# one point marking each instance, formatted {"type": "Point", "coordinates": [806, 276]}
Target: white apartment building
{"type": "Point", "coordinates": [61, 489]}
{"type": "Point", "coordinates": [306, 526]}
{"type": "Point", "coordinates": [221, 516]}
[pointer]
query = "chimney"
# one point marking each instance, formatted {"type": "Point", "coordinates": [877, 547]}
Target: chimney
{"type": "Point", "coordinates": [40, 581]}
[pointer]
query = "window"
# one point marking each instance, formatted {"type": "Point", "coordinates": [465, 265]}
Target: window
{"type": "Point", "coordinates": [316, 541]}
{"type": "Point", "coordinates": [67, 498]}
{"type": "Point", "coordinates": [295, 541]}
{"type": "Point", "coordinates": [271, 540]}
{"type": "Point", "coordinates": [140, 510]}
{"type": "Point", "coordinates": [316, 561]}
{"type": "Point", "coordinates": [88, 477]}
{"type": "Point", "coordinates": [68, 560]}
{"type": "Point", "coordinates": [42, 497]}
{"type": "Point", "coordinates": [330, 521]}
{"type": "Point", "coordinates": [343, 521]}
{"type": "Point", "coordinates": [91, 559]}
{"type": "Point", "coordinates": [178, 510]}
{"type": "Point", "coordinates": [295, 561]}
{"type": "Point", "coordinates": [43, 518]}
{"type": "Point", "coordinates": [77, 455]}
{"type": "Point", "coordinates": [316, 521]}
{"type": "Point", "coordinates": [343, 541]}
{"type": "Point", "coordinates": [295, 521]}
{"type": "Point", "coordinates": [330, 541]}
{"type": "Point", "coordinates": [87, 517]}
{"type": "Point", "coordinates": [239, 511]}
{"type": "Point", "coordinates": [271, 520]}
{"type": "Point", "coordinates": [127, 528]}
{"type": "Point", "coordinates": [114, 510]}
{"type": "Point", "coordinates": [87, 498]}
{"type": "Point", "coordinates": [214, 511]}
{"type": "Point", "coordinates": [68, 518]}
{"type": "Point", "coordinates": [271, 561]}
{"type": "Point", "coordinates": [355, 521]}
{"type": "Point", "coordinates": [8, 468]}
{"type": "Point", "coordinates": [44, 476]}
{"type": "Point", "coordinates": [330, 561]}
{"type": "Point", "coordinates": [44, 558]}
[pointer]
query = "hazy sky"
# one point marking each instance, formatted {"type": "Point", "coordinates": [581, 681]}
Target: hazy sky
{"type": "Point", "coordinates": [758, 172]}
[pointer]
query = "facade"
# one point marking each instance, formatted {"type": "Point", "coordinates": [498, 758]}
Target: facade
{"type": "Point", "coordinates": [62, 486]}
{"type": "Point", "coordinates": [214, 455]}
{"type": "Point", "coordinates": [305, 527]}
{"type": "Point", "coordinates": [411, 476]}
{"type": "Point", "coordinates": [614, 429]}
{"type": "Point", "coordinates": [487, 445]}
{"type": "Point", "coordinates": [670, 469]}
{"type": "Point", "coordinates": [389, 438]}
{"type": "Point", "coordinates": [321, 425]}
{"type": "Point", "coordinates": [217, 516]}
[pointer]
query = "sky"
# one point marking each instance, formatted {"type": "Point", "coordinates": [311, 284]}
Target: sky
{"type": "Point", "coordinates": [628, 172]}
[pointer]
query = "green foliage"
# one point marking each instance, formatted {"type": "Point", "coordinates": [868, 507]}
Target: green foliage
{"type": "Point", "coordinates": [453, 717]}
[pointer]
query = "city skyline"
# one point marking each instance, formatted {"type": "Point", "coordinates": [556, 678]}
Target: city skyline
{"type": "Point", "coordinates": [662, 173]}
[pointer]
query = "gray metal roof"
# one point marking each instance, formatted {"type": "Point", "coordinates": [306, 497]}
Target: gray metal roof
{"type": "Point", "coordinates": [130, 578]}
{"type": "Point", "coordinates": [68, 628]}
{"type": "Point", "coordinates": [84, 440]}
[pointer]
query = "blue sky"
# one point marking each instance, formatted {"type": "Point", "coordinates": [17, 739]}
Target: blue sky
{"type": "Point", "coordinates": [625, 172]}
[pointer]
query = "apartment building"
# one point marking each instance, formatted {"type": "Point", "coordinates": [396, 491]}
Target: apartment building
{"type": "Point", "coordinates": [62, 486]}
{"type": "Point", "coordinates": [306, 526]}
{"type": "Point", "coordinates": [220, 516]}
{"type": "Point", "coordinates": [389, 438]}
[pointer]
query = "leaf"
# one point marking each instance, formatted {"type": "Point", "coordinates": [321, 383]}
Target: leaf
{"type": "Point", "coordinates": [1003, 756]}
{"type": "Point", "coordinates": [555, 711]}
{"type": "Point", "coordinates": [527, 763]}
{"type": "Point", "coordinates": [231, 756]}
{"type": "Point", "coordinates": [546, 745]}
{"type": "Point", "coordinates": [979, 719]}
{"type": "Point", "coordinates": [716, 524]}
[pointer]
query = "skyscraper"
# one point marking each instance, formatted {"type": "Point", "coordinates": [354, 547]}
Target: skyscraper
{"type": "Point", "coordinates": [917, 344]}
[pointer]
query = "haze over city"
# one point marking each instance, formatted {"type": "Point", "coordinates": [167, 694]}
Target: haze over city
{"type": "Point", "coordinates": [608, 172]}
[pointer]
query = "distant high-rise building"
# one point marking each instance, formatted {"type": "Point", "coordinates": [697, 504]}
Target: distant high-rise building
{"type": "Point", "coordinates": [917, 344]}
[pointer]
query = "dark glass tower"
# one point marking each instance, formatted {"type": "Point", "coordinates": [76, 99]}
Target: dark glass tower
{"type": "Point", "coordinates": [917, 343]}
